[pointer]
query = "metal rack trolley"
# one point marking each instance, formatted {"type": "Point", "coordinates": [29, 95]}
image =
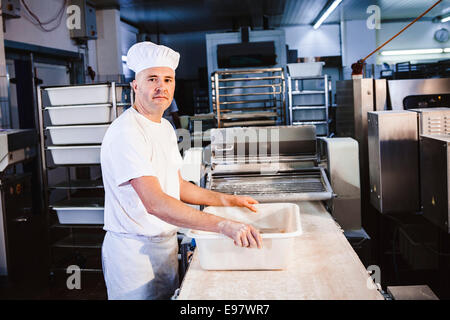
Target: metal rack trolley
{"type": "Point", "coordinates": [309, 106]}
{"type": "Point", "coordinates": [91, 237]}
{"type": "Point", "coordinates": [232, 92]}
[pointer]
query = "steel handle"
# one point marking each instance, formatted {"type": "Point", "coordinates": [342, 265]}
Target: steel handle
{"type": "Point", "coordinates": [21, 219]}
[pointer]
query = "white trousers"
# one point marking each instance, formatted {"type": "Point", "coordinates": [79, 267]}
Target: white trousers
{"type": "Point", "coordinates": [139, 267]}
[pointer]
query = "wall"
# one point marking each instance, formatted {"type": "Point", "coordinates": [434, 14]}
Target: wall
{"type": "Point", "coordinates": [358, 42]}
{"type": "Point", "coordinates": [128, 38]}
{"type": "Point", "coordinates": [23, 30]}
{"type": "Point", "coordinates": [419, 36]}
{"type": "Point", "coordinates": [324, 41]}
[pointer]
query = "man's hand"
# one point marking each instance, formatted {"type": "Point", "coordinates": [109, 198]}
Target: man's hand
{"type": "Point", "coordinates": [244, 235]}
{"type": "Point", "coordinates": [241, 201]}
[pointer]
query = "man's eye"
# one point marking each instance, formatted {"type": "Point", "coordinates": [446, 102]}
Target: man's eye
{"type": "Point", "coordinates": [151, 79]}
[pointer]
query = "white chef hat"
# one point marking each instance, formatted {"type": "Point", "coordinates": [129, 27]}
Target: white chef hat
{"type": "Point", "coordinates": [146, 54]}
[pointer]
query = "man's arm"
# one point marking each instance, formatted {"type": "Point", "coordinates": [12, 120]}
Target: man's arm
{"type": "Point", "coordinates": [175, 212]}
{"type": "Point", "coordinates": [190, 193]}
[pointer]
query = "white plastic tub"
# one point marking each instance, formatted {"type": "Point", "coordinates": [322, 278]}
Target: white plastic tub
{"type": "Point", "coordinates": [84, 114]}
{"type": "Point", "coordinates": [80, 211]}
{"type": "Point", "coordinates": [218, 252]}
{"type": "Point", "coordinates": [305, 69]}
{"type": "Point", "coordinates": [71, 95]}
{"type": "Point", "coordinates": [78, 134]}
{"type": "Point", "coordinates": [75, 154]}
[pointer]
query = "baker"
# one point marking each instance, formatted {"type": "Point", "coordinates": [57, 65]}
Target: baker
{"type": "Point", "coordinates": [145, 194]}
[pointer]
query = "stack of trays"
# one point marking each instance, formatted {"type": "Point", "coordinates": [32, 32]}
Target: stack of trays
{"type": "Point", "coordinates": [80, 116]}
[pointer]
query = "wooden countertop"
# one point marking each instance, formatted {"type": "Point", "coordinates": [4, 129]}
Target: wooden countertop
{"type": "Point", "coordinates": [323, 266]}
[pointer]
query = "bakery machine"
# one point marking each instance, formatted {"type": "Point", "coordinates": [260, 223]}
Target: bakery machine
{"type": "Point", "coordinates": [286, 164]}
{"type": "Point", "coordinates": [418, 93]}
{"type": "Point", "coordinates": [17, 146]}
{"type": "Point", "coordinates": [270, 164]}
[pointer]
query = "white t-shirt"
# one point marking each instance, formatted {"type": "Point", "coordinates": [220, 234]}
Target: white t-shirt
{"type": "Point", "coordinates": [135, 146]}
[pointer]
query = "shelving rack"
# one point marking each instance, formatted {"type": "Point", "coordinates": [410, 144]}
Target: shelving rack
{"type": "Point", "coordinates": [309, 103]}
{"type": "Point", "coordinates": [249, 97]}
{"type": "Point", "coordinates": [201, 101]}
{"type": "Point", "coordinates": [75, 244]}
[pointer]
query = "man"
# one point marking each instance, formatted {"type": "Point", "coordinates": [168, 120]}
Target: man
{"type": "Point", "coordinates": [171, 115]}
{"type": "Point", "coordinates": [143, 188]}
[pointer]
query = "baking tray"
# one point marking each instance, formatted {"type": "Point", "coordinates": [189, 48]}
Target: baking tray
{"type": "Point", "coordinates": [81, 114]}
{"type": "Point", "coordinates": [80, 211]}
{"type": "Point", "coordinates": [78, 134]}
{"type": "Point", "coordinates": [70, 95]}
{"type": "Point", "coordinates": [64, 155]}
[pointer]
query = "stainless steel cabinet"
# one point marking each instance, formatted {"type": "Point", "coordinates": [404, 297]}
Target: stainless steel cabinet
{"type": "Point", "coordinates": [435, 179]}
{"type": "Point", "coordinates": [393, 161]}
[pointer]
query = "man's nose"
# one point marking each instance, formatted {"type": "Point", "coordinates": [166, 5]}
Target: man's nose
{"type": "Point", "coordinates": [160, 89]}
{"type": "Point", "coordinates": [161, 86]}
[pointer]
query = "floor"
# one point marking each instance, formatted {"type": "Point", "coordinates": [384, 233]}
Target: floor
{"type": "Point", "coordinates": [55, 289]}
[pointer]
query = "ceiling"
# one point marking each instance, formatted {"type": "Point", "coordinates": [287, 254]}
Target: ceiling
{"type": "Point", "coordinates": [175, 16]}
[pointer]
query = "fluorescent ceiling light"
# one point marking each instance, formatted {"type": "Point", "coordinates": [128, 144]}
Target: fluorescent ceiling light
{"type": "Point", "coordinates": [327, 13]}
{"type": "Point", "coordinates": [447, 50]}
{"type": "Point", "coordinates": [445, 19]}
{"type": "Point", "coordinates": [408, 52]}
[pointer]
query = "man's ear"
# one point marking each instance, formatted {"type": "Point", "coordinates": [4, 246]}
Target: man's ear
{"type": "Point", "coordinates": [134, 85]}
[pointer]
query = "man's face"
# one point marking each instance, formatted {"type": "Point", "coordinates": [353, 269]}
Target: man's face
{"type": "Point", "coordinates": [154, 88]}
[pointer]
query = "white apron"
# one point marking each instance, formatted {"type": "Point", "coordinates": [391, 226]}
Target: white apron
{"type": "Point", "coordinates": [140, 267]}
